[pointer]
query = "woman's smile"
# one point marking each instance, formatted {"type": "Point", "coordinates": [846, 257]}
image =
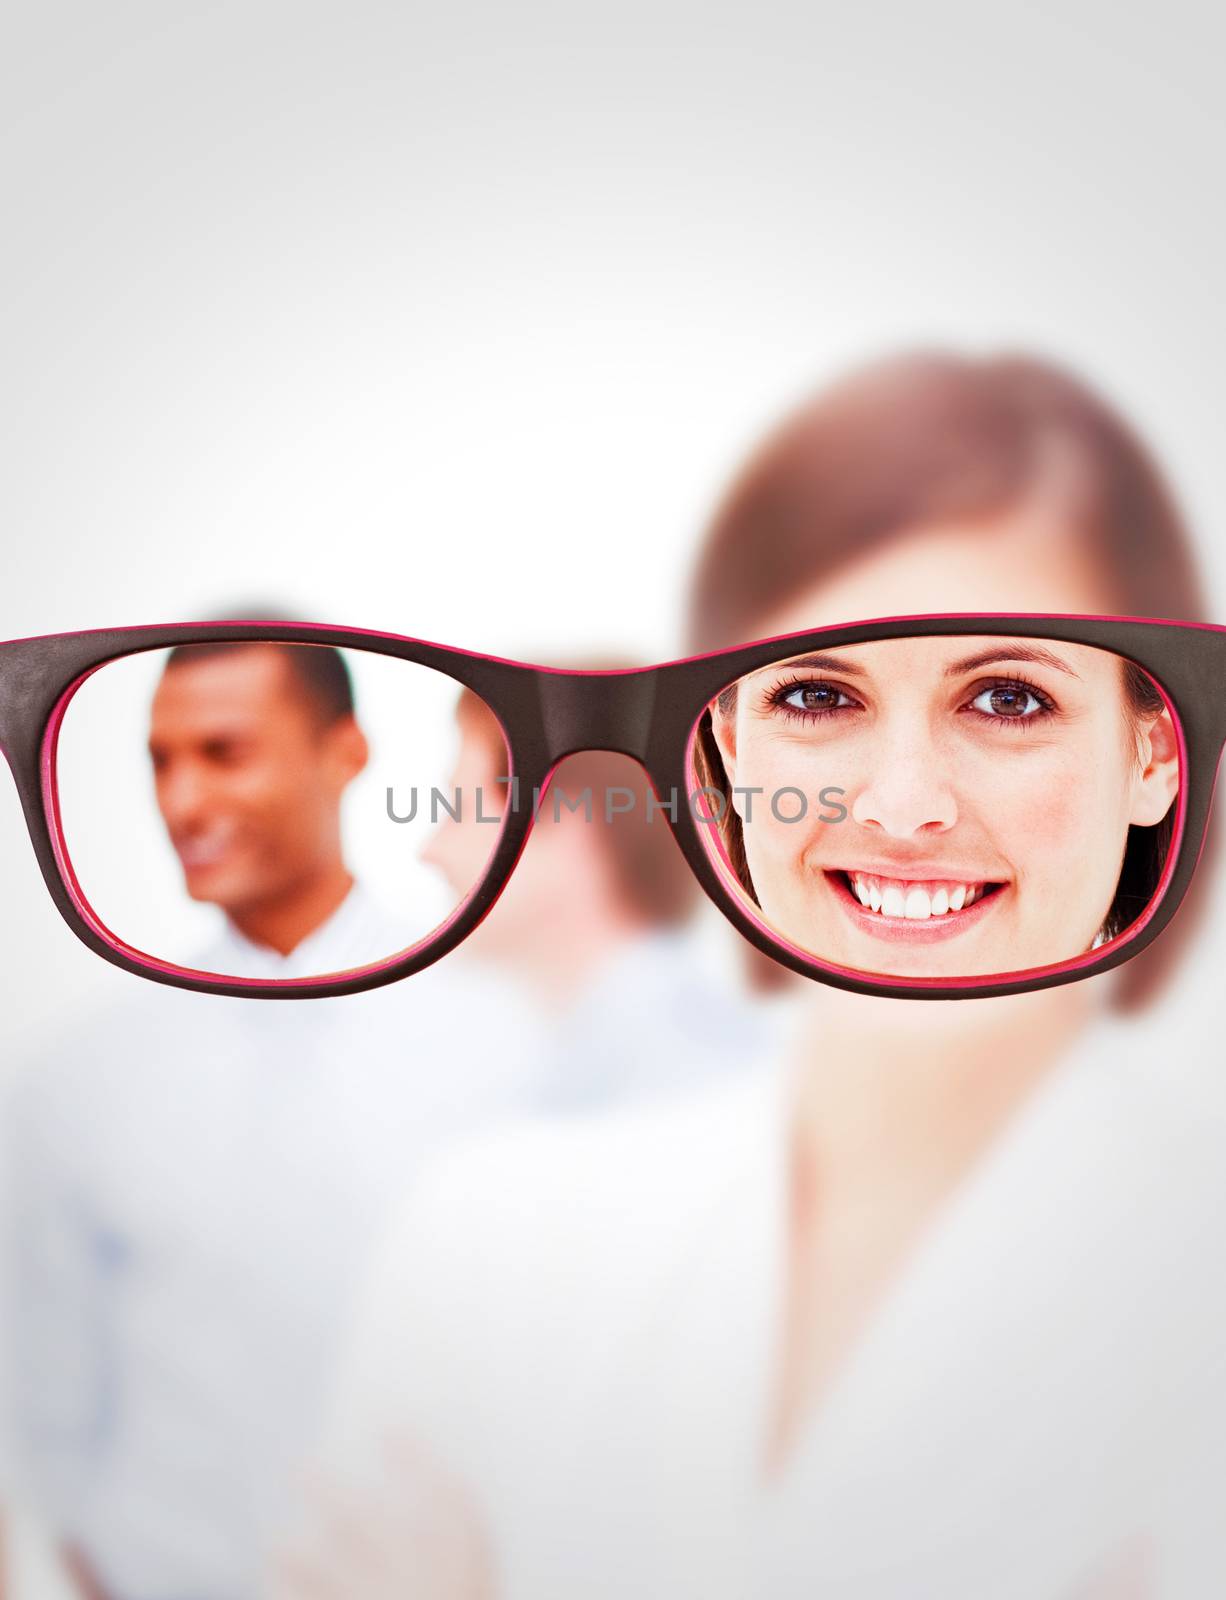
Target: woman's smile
{"type": "Point", "coordinates": [915, 910]}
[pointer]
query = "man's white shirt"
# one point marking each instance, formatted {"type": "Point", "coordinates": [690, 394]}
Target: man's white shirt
{"type": "Point", "coordinates": [193, 1185]}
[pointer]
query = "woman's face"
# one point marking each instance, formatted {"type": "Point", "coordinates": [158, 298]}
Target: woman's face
{"type": "Point", "coordinates": [988, 782]}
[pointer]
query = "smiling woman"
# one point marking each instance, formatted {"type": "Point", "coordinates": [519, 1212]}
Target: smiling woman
{"type": "Point", "coordinates": [915, 1310]}
{"type": "Point", "coordinates": [1009, 801]}
{"type": "Point", "coordinates": [933, 483]}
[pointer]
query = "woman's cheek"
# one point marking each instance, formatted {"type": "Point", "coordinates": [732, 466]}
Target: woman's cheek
{"type": "Point", "coordinates": [775, 844]}
{"type": "Point", "coordinates": [1057, 838]}
{"type": "Point", "coordinates": [787, 779]}
{"type": "Point", "coordinates": [1037, 807]}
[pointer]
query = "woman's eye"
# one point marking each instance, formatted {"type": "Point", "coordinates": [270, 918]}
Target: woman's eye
{"type": "Point", "coordinates": [815, 697]}
{"type": "Point", "coordinates": [1008, 701]}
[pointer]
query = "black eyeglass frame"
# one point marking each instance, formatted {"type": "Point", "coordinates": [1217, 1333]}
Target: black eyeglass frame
{"type": "Point", "coordinates": [650, 714]}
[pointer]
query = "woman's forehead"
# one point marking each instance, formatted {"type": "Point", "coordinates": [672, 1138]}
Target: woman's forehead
{"type": "Point", "coordinates": [1020, 561]}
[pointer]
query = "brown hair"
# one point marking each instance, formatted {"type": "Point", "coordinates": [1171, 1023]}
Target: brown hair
{"type": "Point", "coordinates": [934, 437]}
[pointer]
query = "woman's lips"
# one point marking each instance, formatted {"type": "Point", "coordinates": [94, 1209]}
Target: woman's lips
{"type": "Point", "coordinates": [968, 904]}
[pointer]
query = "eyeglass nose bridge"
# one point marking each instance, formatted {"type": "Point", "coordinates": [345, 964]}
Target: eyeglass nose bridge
{"type": "Point", "coordinates": [597, 711]}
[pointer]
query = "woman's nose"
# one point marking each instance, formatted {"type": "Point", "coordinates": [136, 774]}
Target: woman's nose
{"type": "Point", "coordinates": [907, 787]}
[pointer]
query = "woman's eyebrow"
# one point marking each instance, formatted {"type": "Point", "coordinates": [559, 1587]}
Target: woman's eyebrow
{"type": "Point", "coordinates": [827, 663]}
{"type": "Point", "coordinates": [1014, 650]}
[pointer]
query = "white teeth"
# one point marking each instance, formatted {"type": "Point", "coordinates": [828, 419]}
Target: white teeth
{"type": "Point", "coordinates": [918, 907]}
{"type": "Point", "coordinates": [892, 902]}
{"type": "Point", "coordinates": [896, 897]}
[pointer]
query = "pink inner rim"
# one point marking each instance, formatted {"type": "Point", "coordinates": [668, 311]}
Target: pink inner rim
{"type": "Point", "coordinates": [51, 809]}
{"type": "Point", "coordinates": [1075, 963]}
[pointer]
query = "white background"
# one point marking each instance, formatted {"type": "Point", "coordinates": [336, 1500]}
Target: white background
{"type": "Point", "coordinates": [453, 320]}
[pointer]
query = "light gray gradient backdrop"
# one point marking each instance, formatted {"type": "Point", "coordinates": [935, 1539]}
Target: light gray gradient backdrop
{"type": "Point", "coordinates": [453, 321]}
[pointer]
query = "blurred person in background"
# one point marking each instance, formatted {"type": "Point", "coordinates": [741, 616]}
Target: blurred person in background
{"type": "Point", "coordinates": [196, 1183]}
{"type": "Point", "coordinates": [192, 1182]}
{"type": "Point", "coordinates": [933, 1311]}
{"type": "Point", "coordinates": [599, 923]}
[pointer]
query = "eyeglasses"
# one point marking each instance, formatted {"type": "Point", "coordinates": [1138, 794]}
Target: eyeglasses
{"type": "Point", "coordinates": [939, 807]}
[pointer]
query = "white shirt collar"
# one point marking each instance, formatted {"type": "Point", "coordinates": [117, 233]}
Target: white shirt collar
{"type": "Point", "coordinates": [358, 932]}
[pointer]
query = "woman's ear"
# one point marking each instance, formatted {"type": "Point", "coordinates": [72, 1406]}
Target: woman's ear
{"type": "Point", "coordinates": [1159, 781]}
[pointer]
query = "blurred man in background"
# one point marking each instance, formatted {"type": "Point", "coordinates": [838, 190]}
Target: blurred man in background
{"type": "Point", "coordinates": [193, 1180]}
{"type": "Point", "coordinates": [252, 747]}
{"type": "Point", "coordinates": [196, 1182]}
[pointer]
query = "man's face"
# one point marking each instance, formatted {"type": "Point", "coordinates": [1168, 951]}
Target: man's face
{"type": "Point", "coordinates": [248, 777]}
